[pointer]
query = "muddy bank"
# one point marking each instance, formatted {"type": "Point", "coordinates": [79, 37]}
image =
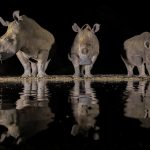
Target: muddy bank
{"type": "Point", "coordinates": [69, 78]}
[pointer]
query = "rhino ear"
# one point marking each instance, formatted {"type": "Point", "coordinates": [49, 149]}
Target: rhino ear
{"type": "Point", "coordinates": [75, 130]}
{"type": "Point", "coordinates": [16, 15]}
{"type": "Point", "coordinates": [147, 44]}
{"type": "Point", "coordinates": [96, 27]}
{"type": "Point", "coordinates": [4, 23]}
{"type": "Point", "coordinates": [75, 27]}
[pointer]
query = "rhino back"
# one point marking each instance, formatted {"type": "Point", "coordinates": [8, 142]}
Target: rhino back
{"type": "Point", "coordinates": [86, 40]}
{"type": "Point", "coordinates": [136, 43]}
{"type": "Point", "coordinates": [32, 35]}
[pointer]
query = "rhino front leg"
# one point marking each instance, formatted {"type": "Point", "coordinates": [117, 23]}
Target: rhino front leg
{"type": "Point", "coordinates": [34, 69]}
{"type": "Point", "coordinates": [25, 63]}
{"type": "Point", "coordinates": [77, 71]}
{"type": "Point", "coordinates": [89, 67]}
{"type": "Point", "coordinates": [41, 69]}
{"type": "Point", "coordinates": [88, 71]}
{"type": "Point", "coordinates": [42, 63]}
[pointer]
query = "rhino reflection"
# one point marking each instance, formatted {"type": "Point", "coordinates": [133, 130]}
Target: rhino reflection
{"type": "Point", "coordinates": [85, 109]}
{"type": "Point", "coordinates": [138, 102]}
{"type": "Point", "coordinates": [8, 118]}
{"type": "Point", "coordinates": [35, 93]}
{"type": "Point", "coordinates": [31, 115]}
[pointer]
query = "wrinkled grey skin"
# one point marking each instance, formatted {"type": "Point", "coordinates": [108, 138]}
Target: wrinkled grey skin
{"type": "Point", "coordinates": [85, 49]}
{"type": "Point", "coordinates": [137, 54]}
{"type": "Point", "coordinates": [29, 41]}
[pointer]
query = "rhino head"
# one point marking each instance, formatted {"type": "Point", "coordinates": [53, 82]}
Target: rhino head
{"type": "Point", "coordinates": [8, 41]}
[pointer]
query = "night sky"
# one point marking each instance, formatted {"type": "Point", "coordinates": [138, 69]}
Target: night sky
{"type": "Point", "coordinates": [119, 21]}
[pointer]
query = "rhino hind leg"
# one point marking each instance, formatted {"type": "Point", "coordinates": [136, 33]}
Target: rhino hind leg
{"type": "Point", "coordinates": [139, 62]}
{"type": "Point", "coordinates": [25, 63]}
{"type": "Point", "coordinates": [129, 70]}
{"type": "Point", "coordinates": [129, 67]}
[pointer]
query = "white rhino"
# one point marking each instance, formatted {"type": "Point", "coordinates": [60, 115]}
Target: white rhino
{"type": "Point", "coordinates": [137, 54]}
{"type": "Point", "coordinates": [85, 49]}
{"type": "Point", "coordinates": [29, 41]}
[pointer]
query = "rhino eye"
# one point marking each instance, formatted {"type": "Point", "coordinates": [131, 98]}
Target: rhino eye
{"type": "Point", "coordinates": [6, 39]}
{"type": "Point", "coordinates": [9, 40]}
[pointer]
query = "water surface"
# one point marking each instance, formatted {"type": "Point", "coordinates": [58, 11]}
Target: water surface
{"type": "Point", "coordinates": [77, 115]}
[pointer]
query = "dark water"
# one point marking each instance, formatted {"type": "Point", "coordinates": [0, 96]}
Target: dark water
{"type": "Point", "coordinates": [81, 115]}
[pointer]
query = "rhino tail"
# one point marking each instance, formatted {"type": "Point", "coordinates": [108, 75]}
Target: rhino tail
{"type": "Point", "coordinates": [125, 61]}
{"type": "Point", "coordinates": [69, 57]}
{"type": "Point", "coordinates": [46, 65]}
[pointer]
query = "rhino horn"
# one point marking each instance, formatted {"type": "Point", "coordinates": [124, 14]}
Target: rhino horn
{"type": "Point", "coordinates": [4, 23]}
{"type": "Point", "coordinates": [16, 15]}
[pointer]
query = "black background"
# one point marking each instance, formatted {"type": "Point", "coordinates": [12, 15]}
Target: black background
{"type": "Point", "coordinates": [119, 20]}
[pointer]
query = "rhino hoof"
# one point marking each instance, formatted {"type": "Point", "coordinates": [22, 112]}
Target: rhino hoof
{"type": "Point", "coordinates": [34, 74]}
{"type": "Point", "coordinates": [88, 76]}
{"type": "Point", "coordinates": [42, 75]}
{"type": "Point", "coordinates": [75, 76]}
{"type": "Point", "coordinates": [143, 76]}
{"type": "Point", "coordinates": [26, 75]}
{"type": "Point", "coordinates": [130, 75]}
